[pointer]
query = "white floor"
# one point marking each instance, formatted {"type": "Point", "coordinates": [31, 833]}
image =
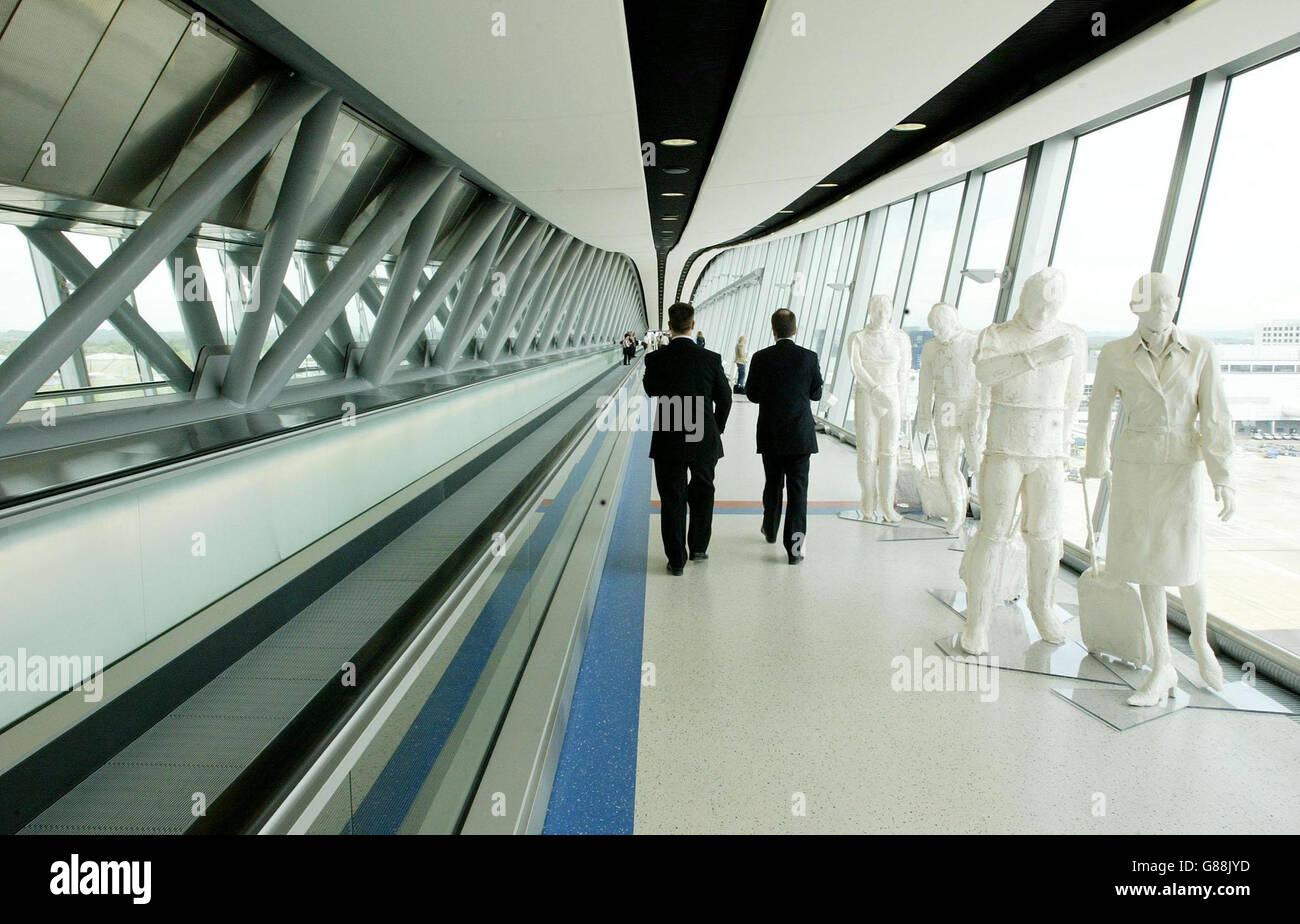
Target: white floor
{"type": "Point", "coordinates": [772, 690]}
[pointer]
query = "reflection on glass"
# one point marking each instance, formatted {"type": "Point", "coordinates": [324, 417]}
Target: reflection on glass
{"type": "Point", "coordinates": [995, 217]}
{"type": "Point", "coordinates": [1241, 293]}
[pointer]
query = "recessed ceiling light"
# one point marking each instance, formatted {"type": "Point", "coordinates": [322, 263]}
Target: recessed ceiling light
{"type": "Point", "coordinates": [676, 171]}
{"type": "Point", "coordinates": [786, 212]}
{"type": "Point", "coordinates": [670, 217]}
{"type": "Point", "coordinates": [826, 185]}
{"type": "Point", "coordinates": [672, 194]}
{"type": "Point", "coordinates": [677, 142]}
{"type": "Point", "coordinates": [908, 127]}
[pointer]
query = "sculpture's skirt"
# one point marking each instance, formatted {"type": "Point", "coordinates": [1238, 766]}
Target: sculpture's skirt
{"type": "Point", "coordinates": [1155, 534]}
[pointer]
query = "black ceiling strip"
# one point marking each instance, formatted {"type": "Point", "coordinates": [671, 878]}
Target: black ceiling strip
{"type": "Point", "coordinates": [687, 58]}
{"type": "Point", "coordinates": [1063, 37]}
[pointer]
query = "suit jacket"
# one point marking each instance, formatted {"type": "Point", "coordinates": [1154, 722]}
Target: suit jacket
{"type": "Point", "coordinates": [782, 379]}
{"type": "Point", "coordinates": [694, 401]}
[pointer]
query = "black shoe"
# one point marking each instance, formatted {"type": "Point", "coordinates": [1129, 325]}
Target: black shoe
{"type": "Point", "coordinates": [796, 559]}
{"type": "Point", "coordinates": [770, 537]}
{"type": "Point", "coordinates": [699, 556]}
{"type": "Point", "coordinates": [676, 570]}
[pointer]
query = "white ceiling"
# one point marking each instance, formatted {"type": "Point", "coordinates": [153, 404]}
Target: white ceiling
{"type": "Point", "coordinates": [808, 103]}
{"type": "Point", "coordinates": [547, 111]}
{"type": "Point", "coordinates": [1201, 37]}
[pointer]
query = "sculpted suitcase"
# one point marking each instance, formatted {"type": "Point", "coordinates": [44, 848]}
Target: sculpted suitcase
{"type": "Point", "coordinates": [1011, 581]}
{"type": "Point", "coordinates": [1110, 611]}
{"type": "Point", "coordinates": [933, 501]}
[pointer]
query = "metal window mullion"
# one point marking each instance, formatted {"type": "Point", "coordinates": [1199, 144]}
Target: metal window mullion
{"type": "Point", "coordinates": [562, 307]}
{"type": "Point", "coordinates": [475, 286]}
{"type": "Point", "coordinates": [526, 295]}
{"type": "Point", "coordinates": [73, 373]}
{"type": "Point", "coordinates": [409, 194]}
{"type": "Point", "coordinates": [962, 239]}
{"type": "Point", "coordinates": [310, 146]}
{"type": "Point", "coordinates": [407, 272]}
{"type": "Point", "coordinates": [538, 311]}
{"type": "Point", "coordinates": [912, 244]}
{"type": "Point", "coordinates": [480, 225]}
{"type": "Point", "coordinates": [79, 271]}
{"type": "Point", "coordinates": [318, 270]}
{"type": "Point", "coordinates": [582, 318]}
{"type": "Point", "coordinates": [532, 268]}
{"type": "Point", "coordinates": [198, 316]}
{"type": "Point", "coordinates": [507, 262]}
{"type": "Point", "coordinates": [1038, 213]}
{"type": "Point", "coordinates": [583, 303]}
{"type": "Point", "coordinates": [1190, 176]}
{"type": "Point", "coordinates": [42, 352]}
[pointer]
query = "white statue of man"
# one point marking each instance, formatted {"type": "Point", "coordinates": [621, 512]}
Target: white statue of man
{"type": "Point", "coordinates": [1175, 417]}
{"type": "Point", "coordinates": [1034, 365]}
{"type": "Point", "coordinates": [880, 357]}
{"type": "Point", "coordinates": [952, 404]}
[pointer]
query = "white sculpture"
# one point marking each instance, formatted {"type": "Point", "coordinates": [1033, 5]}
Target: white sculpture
{"type": "Point", "coordinates": [1175, 417]}
{"type": "Point", "coordinates": [880, 357]}
{"type": "Point", "coordinates": [1034, 365]}
{"type": "Point", "coordinates": [952, 404]}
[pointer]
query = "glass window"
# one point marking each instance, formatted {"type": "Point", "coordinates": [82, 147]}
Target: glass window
{"type": "Point", "coordinates": [22, 310]}
{"type": "Point", "coordinates": [1239, 293]}
{"type": "Point", "coordinates": [1107, 235]}
{"type": "Point", "coordinates": [110, 358]}
{"type": "Point", "coordinates": [892, 242]}
{"type": "Point", "coordinates": [932, 254]}
{"type": "Point", "coordinates": [995, 218]}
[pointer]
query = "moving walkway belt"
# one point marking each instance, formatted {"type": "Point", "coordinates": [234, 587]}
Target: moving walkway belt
{"type": "Point", "coordinates": [236, 739]}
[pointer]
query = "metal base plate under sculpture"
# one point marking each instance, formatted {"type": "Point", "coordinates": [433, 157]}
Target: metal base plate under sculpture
{"type": "Point", "coordinates": [1111, 706]}
{"type": "Point", "coordinates": [955, 600]}
{"type": "Point", "coordinates": [1238, 696]}
{"type": "Point", "coordinates": [897, 531]}
{"type": "Point", "coordinates": [1014, 644]}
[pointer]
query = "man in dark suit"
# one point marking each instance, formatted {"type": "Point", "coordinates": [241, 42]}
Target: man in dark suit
{"type": "Point", "coordinates": [693, 399]}
{"type": "Point", "coordinates": [782, 380]}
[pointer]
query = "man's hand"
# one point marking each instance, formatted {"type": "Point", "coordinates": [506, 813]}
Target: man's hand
{"type": "Point", "coordinates": [1227, 497]}
{"type": "Point", "coordinates": [1092, 471]}
{"type": "Point", "coordinates": [1052, 351]}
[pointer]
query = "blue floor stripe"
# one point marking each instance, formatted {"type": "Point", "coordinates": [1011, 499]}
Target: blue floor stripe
{"type": "Point", "coordinates": [389, 801]}
{"type": "Point", "coordinates": [595, 782]}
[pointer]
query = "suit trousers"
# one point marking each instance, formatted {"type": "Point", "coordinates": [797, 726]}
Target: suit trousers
{"type": "Point", "coordinates": [788, 473]}
{"type": "Point", "coordinates": [677, 495]}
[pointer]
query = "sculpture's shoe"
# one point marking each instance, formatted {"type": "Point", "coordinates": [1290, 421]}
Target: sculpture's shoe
{"type": "Point", "coordinates": [953, 528]}
{"type": "Point", "coordinates": [1049, 627]}
{"type": "Point", "coordinates": [1160, 682]}
{"type": "Point", "coordinates": [974, 639]}
{"type": "Point", "coordinates": [891, 515]}
{"type": "Point", "coordinates": [1211, 673]}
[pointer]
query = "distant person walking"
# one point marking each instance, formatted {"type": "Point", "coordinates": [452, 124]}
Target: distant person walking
{"type": "Point", "coordinates": [699, 338]}
{"type": "Point", "coordinates": [783, 379]}
{"type": "Point", "coordinates": [692, 402]}
{"type": "Point", "coordinates": [742, 362]}
{"type": "Point", "coordinates": [629, 348]}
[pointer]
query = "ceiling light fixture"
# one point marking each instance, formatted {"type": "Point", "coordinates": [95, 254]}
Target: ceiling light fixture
{"type": "Point", "coordinates": [677, 142]}
{"type": "Point", "coordinates": [670, 217]}
{"type": "Point", "coordinates": [672, 194]}
{"type": "Point", "coordinates": [786, 212]}
{"type": "Point", "coordinates": [826, 185]}
{"type": "Point", "coordinates": [676, 171]}
{"type": "Point", "coordinates": [908, 127]}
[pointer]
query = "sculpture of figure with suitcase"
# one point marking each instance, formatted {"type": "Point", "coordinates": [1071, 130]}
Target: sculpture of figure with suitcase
{"type": "Point", "coordinates": [1175, 417]}
{"type": "Point", "coordinates": [1035, 367]}
{"type": "Point", "coordinates": [953, 405]}
{"type": "Point", "coordinates": [880, 357]}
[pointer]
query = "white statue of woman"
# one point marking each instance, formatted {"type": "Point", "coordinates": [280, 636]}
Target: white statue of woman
{"type": "Point", "coordinates": [1175, 417]}
{"type": "Point", "coordinates": [880, 357]}
{"type": "Point", "coordinates": [1034, 365]}
{"type": "Point", "coordinates": [953, 405]}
